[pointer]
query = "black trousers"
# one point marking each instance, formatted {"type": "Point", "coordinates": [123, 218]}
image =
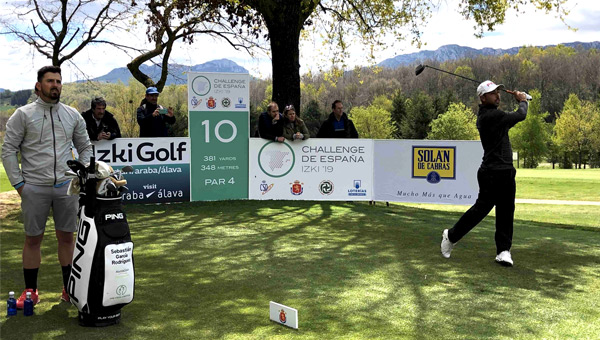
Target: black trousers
{"type": "Point", "coordinates": [496, 188]}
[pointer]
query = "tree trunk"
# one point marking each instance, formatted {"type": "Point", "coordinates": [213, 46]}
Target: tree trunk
{"type": "Point", "coordinates": [285, 52]}
{"type": "Point", "coordinates": [284, 20]}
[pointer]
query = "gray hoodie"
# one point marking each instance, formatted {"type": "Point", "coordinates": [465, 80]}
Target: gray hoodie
{"type": "Point", "coordinates": [45, 135]}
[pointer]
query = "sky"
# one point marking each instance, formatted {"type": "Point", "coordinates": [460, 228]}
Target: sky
{"type": "Point", "coordinates": [446, 26]}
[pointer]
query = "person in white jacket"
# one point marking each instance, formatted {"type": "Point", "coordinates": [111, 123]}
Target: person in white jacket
{"type": "Point", "coordinates": [44, 133]}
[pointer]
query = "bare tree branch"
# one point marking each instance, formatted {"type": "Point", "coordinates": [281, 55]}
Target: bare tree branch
{"type": "Point", "coordinates": [170, 21]}
{"type": "Point", "coordinates": [62, 29]}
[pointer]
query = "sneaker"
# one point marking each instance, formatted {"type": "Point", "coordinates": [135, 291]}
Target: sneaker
{"type": "Point", "coordinates": [65, 297]}
{"type": "Point", "coordinates": [504, 258]}
{"type": "Point", "coordinates": [446, 244]}
{"type": "Point", "coordinates": [34, 296]}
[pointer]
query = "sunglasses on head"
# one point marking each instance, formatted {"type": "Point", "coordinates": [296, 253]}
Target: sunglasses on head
{"type": "Point", "coordinates": [289, 107]}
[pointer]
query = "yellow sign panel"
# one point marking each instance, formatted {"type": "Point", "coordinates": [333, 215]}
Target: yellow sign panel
{"type": "Point", "coordinates": [438, 159]}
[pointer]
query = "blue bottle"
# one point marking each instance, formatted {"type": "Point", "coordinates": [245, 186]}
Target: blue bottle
{"type": "Point", "coordinates": [11, 304]}
{"type": "Point", "coordinates": [28, 305]}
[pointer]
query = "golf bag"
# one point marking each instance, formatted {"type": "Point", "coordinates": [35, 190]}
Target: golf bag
{"type": "Point", "coordinates": [102, 275]}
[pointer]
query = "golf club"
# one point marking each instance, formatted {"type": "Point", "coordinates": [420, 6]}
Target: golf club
{"type": "Point", "coordinates": [420, 68]}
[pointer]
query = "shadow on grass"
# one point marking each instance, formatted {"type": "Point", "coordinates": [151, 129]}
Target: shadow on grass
{"type": "Point", "coordinates": [208, 270]}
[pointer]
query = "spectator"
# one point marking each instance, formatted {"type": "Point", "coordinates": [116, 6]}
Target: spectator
{"type": "Point", "coordinates": [101, 124]}
{"type": "Point", "coordinates": [44, 132]}
{"type": "Point", "coordinates": [293, 127]}
{"type": "Point", "coordinates": [270, 124]}
{"type": "Point", "coordinates": [338, 125]}
{"type": "Point", "coordinates": [152, 117]}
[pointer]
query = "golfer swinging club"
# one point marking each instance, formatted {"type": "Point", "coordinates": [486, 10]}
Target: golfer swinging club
{"type": "Point", "coordinates": [496, 175]}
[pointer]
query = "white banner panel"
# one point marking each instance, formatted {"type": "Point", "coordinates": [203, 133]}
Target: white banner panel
{"type": "Point", "coordinates": [423, 171]}
{"type": "Point", "coordinates": [218, 91]}
{"type": "Point", "coordinates": [314, 169]}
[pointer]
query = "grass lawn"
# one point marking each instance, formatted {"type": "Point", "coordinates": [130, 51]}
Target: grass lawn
{"type": "Point", "coordinates": [207, 270]}
{"type": "Point", "coordinates": [4, 183]}
{"type": "Point", "coordinates": [559, 184]}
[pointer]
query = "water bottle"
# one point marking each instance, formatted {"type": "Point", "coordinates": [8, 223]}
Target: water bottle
{"type": "Point", "coordinates": [11, 304]}
{"type": "Point", "coordinates": [28, 305]}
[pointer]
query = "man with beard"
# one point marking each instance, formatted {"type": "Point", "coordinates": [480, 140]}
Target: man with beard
{"type": "Point", "coordinates": [100, 123]}
{"type": "Point", "coordinates": [152, 117]}
{"type": "Point", "coordinates": [44, 132]}
{"type": "Point", "coordinates": [270, 124]}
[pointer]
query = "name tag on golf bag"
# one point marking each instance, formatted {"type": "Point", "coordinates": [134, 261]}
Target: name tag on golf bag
{"type": "Point", "coordinates": [102, 276]}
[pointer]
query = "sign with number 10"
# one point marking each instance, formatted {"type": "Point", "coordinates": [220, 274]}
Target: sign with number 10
{"type": "Point", "coordinates": [219, 124]}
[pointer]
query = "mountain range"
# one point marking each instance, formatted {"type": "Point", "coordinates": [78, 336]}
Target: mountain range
{"type": "Point", "coordinates": [454, 52]}
{"type": "Point", "coordinates": [177, 72]}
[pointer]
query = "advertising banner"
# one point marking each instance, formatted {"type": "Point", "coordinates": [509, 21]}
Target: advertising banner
{"type": "Point", "coordinates": [219, 125]}
{"type": "Point", "coordinates": [314, 169]}
{"type": "Point", "coordinates": [425, 171]}
{"type": "Point", "coordinates": [161, 167]}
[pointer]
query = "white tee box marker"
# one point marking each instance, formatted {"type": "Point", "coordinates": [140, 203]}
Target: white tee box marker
{"type": "Point", "coordinates": [283, 315]}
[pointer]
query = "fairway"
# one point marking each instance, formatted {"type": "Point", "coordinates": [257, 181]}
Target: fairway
{"type": "Point", "coordinates": [354, 271]}
{"type": "Point", "coordinates": [559, 184]}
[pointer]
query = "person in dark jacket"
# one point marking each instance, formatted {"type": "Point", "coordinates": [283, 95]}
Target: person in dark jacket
{"type": "Point", "coordinates": [101, 124]}
{"type": "Point", "coordinates": [270, 124]}
{"type": "Point", "coordinates": [152, 117]}
{"type": "Point", "coordinates": [496, 175]}
{"type": "Point", "coordinates": [338, 125]}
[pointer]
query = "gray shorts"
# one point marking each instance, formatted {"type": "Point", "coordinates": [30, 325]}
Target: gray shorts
{"type": "Point", "coordinates": [36, 202]}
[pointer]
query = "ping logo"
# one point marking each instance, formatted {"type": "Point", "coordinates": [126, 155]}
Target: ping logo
{"type": "Point", "coordinates": [434, 163]}
{"type": "Point", "coordinates": [122, 289]}
{"type": "Point", "coordinates": [118, 216]}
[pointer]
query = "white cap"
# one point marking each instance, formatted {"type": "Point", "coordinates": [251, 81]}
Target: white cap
{"type": "Point", "coordinates": [486, 87]}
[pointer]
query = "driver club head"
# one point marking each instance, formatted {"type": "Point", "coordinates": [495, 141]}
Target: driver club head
{"type": "Point", "coordinates": [419, 69]}
{"type": "Point", "coordinates": [70, 173]}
